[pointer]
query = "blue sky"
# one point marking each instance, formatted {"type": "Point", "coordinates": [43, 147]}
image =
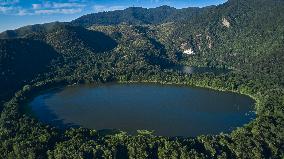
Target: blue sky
{"type": "Point", "coordinates": [17, 13]}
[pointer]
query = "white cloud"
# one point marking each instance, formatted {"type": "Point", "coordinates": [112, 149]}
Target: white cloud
{"type": "Point", "coordinates": [48, 7]}
{"type": "Point", "coordinates": [13, 10]}
{"type": "Point", "coordinates": [58, 11]}
{"type": "Point", "coordinates": [5, 9]}
{"type": "Point", "coordinates": [8, 2]}
{"type": "Point", "coordinates": [102, 8]}
{"type": "Point", "coordinates": [55, 5]}
{"type": "Point", "coordinates": [13, 7]}
{"type": "Point", "coordinates": [8, 9]}
{"type": "Point", "coordinates": [22, 12]}
{"type": "Point", "coordinates": [81, 1]}
{"type": "Point", "coordinates": [37, 6]}
{"type": "Point", "coordinates": [68, 5]}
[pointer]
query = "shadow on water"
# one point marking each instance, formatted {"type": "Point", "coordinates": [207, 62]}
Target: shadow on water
{"type": "Point", "coordinates": [40, 110]}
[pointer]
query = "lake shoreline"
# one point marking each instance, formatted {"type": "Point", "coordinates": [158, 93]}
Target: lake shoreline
{"type": "Point", "coordinates": [133, 83]}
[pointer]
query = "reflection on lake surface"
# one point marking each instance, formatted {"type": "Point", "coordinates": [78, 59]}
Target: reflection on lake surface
{"type": "Point", "coordinates": [169, 110]}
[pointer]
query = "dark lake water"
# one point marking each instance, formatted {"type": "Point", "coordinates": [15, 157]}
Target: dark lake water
{"type": "Point", "coordinates": [197, 70]}
{"type": "Point", "coordinates": [169, 110]}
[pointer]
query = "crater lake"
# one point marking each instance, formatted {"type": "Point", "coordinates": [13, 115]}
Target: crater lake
{"type": "Point", "coordinates": [168, 110]}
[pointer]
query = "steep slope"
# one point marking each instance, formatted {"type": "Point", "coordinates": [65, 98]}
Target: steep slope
{"type": "Point", "coordinates": [34, 48]}
{"type": "Point", "coordinates": [63, 37]}
{"type": "Point", "coordinates": [232, 35]}
{"type": "Point", "coordinates": [21, 60]}
{"type": "Point", "coordinates": [77, 40]}
{"type": "Point", "coordinates": [228, 35]}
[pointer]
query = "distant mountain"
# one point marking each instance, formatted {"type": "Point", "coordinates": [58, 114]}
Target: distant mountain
{"type": "Point", "coordinates": [137, 16]}
{"type": "Point", "coordinates": [229, 35]}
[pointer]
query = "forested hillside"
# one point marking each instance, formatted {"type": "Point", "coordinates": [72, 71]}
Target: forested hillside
{"type": "Point", "coordinates": [137, 16]}
{"type": "Point", "coordinates": [21, 60]}
{"type": "Point", "coordinates": [142, 45]}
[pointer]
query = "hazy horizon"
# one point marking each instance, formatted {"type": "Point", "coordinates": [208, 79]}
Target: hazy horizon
{"type": "Point", "coordinates": [19, 13]}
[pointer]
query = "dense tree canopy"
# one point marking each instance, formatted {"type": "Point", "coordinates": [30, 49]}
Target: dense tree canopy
{"type": "Point", "coordinates": [142, 45]}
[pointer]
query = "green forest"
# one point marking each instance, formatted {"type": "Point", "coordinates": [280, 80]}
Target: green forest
{"type": "Point", "coordinates": [142, 45]}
